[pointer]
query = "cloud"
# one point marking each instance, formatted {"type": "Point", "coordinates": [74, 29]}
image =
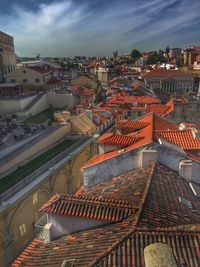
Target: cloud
{"type": "Point", "coordinates": [75, 27]}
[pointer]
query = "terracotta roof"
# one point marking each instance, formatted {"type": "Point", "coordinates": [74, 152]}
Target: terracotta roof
{"type": "Point", "coordinates": [40, 70]}
{"type": "Point", "coordinates": [148, 100]}
{"type": "Point", "coordinates": [130, 252]}
{"type": "Point", "coordinates": [88, 207]}
{"type": "Point", "coordinates": [101, 157]}
{"type": "Point", "coordinates": [142, 128]}
{"type": "Point", "coordinates": [131, 125]}
{"type": "Point", "coordinates": [158, 108]}
{"type": "Point", "coordinates": [155, 191]}
{"type": "Point", "coordinates": [117, 139]}
{"type": "Point", "coordinates": [55, 81]}
{"type": "Point", "coordinates": [183, 139]}
{"type": "Point", "coordinates": [161, 73]}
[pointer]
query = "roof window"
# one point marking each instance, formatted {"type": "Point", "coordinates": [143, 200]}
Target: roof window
{"type": "Point", "coordinates": [109, 188]}
{"type": "Point", "coordinates": [185, 202]}
{"type": "Point", "coordinates": [68, 263]}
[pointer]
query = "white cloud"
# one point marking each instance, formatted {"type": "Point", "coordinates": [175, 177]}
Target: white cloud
{"type": "Point", "coordinates": [63, 28]}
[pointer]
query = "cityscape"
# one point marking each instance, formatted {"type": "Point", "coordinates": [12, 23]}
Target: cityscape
{"type": "Point", "coordinates": [100, 134]}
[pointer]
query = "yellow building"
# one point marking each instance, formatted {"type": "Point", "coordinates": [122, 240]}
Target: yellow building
{"type": "Point", "coordinates": [19, 213]}
{"type": "Point", "coordinates": [7, 54]}
{"type": "Point", "coordinates": [29, 76]}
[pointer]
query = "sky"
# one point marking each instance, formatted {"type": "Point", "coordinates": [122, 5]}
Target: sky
{"type": "Point", "coordinates": [99, 27]}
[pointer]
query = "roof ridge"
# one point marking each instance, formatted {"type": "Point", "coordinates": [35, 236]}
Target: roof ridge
{"type": "Point", "coordinates": [112, 203]}
{"type": "Point", "coordinates": [144, 198]}
{"type": "Point", "coordinates": [133, 226]}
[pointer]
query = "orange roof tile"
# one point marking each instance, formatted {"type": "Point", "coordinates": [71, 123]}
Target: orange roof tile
{"type": "Point", "coordinates": [89, 207]}
{"type": "Point", "coordinates": [158, 108]}
{"type": "Point", "coordinates": [118, 139]}
{"type": "Point", "coordinates": [183, 139]}
{"type": "Point", "coordinates": [132, 125]}
{"type": "Point", "coordinates": [163, 73]}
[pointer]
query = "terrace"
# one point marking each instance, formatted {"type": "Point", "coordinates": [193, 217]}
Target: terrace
{"type": "Point", "coordinates": [25, 174]}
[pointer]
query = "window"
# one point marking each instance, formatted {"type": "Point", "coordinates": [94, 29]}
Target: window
{"type": "Point", "coordinates": [185, 202]}
{"type": "Point", "coordinates": [25, 80]}
{"type": "Point", "coordinates": [129, 113]}
{"type": "Point", "coordinates": [35, 198]}
{"type": "Point", "coordinates": [139, 113]}
{"type": "Point", "coordinates": [24, 71]}
{"type": "Point", "coordinates": [13, 81]}
{"type": "Point", "coordinates": [37, 80]}
{"type": "Point", "coordinates": [22, 229]}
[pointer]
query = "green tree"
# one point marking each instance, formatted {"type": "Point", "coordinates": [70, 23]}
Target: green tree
{"type": "Point", "coordinates": [135, 54]}
{"type": "Point", "coordinates": [155, 58]}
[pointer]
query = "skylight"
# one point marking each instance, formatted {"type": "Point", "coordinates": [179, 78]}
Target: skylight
{"type": "Point", "coordinates": [185, 202]}
{"type": "Point", "coordinates": [68, 263]}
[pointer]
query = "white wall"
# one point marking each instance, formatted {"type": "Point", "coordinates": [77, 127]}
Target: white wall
{"type": "Point", "coordinates": [64, 224]}
{"type": "Point", "coordinates": [12, 105]}
{"type": "Point", "coordinates": [62, 100]}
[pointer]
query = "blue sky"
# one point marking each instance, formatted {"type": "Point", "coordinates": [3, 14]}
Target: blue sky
{"type": "Point", "coordinates": [98, 27]}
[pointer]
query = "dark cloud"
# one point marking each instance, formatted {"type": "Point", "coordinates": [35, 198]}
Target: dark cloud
{"type": "Point", "coordinates": [88, 27]}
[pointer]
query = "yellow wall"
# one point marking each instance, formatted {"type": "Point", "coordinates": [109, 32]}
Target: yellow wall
{"type": "Point", "coordinates": [18, 218]}
{"type": "Point", "coordinates": [25, 73]}
{"type": "Point", "coordinates": [42, 144]}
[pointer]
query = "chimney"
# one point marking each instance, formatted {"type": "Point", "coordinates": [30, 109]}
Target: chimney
{"type": "Point", "coordinates": [185, 170]}
{"type": "Point", "coordinates": [147, 157]}
{"type": "Point", "coordinates": [89, 113]}
{"type": "Point", "coordinates": [48, 232]}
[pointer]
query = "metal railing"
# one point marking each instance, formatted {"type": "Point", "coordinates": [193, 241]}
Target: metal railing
{"type": "Point", "coordinates": [39, 227]}
{"type": "Point", "coordinates": [28, 179]}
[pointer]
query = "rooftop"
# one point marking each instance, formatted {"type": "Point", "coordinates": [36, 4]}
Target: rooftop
{"type": "Point", "coordinates": [154, 193]}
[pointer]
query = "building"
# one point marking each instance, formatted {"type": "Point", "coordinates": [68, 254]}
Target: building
{"type": "Point", "coordinates": [197, 63]}
{"type": "Point", "coordinates": [190, 54]}
{"type": "Point", "coordinates": [175, 53]}
{"type": "Point", "coordinates": [7, 55]}
{"type": "Point", "coordinates": [169, 83]}
{"type": "Point", "coordinates": [135, 209]}
{"type": "Point", "coordinates": [35, 78]}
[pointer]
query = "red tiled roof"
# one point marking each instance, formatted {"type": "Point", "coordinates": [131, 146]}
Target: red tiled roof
{"type": "Point", "coordinates": [183, 139]}
{"type": "Point", "coordinates": [101, 157]}
{"type": "Point", "coordinates": [88, 207]}
{"type": "Point", "coordinates": [117, 139]}
{"type": "Point", "coordinates": [40, 70]}
{"type": "Point", "coordinates": [155, 191]}
{"type": "Point", "coordinates": [54, 81]}
{"type": "Point", "coordinates": [131, 125]}
{"type": "Point", "coordinates": [148, 100]}
{"type": "Point", "coordinates": [142, 128]}
{"type": "Point", "coordinates": [161, 73]}
{"type": "Point", "coordinates": [158, 108]}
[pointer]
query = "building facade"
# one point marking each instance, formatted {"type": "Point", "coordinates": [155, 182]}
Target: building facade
{"type": "Point", "coordinates": [169, 83]}
{"type": "Point", "coordinates": [7, 55]}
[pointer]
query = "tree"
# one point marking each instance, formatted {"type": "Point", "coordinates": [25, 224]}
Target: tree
{"type": "Point", "coordinates": [167, 50]}
{"type": "Point", "coordinates": [155, 58]}
{"type": "Point", "coordinates": [135, 54]}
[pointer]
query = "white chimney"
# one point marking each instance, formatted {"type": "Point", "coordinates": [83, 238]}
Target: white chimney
{"type": "Point", "coordinates": [48, 232]}
{"type": "Point", "coordinates": [185, 169]}
{"type": "Point", "coordinates": [148, 156]}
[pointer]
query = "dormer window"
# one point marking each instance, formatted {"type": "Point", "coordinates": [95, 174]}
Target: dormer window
{"type": "Point", "coordinates": [185, 202]}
